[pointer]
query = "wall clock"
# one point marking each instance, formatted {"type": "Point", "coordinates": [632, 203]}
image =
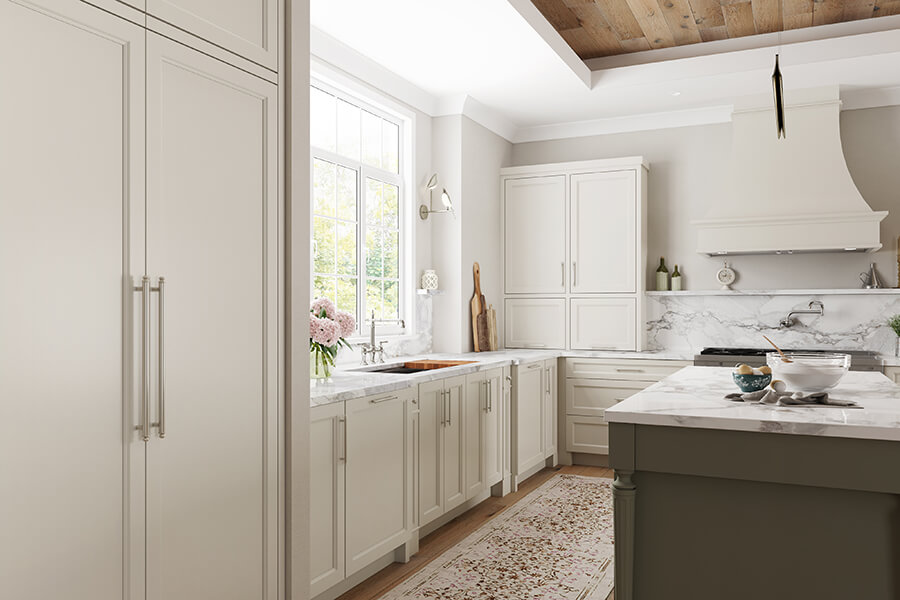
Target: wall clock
{"type": "Point", "coordinates": [726, 277]}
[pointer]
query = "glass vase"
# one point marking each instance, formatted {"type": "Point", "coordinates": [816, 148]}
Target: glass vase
{"type": "Point", "coordinates": [318, 367]}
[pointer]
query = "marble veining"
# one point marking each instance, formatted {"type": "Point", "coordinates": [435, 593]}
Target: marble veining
{"type": "Point", "coordinates": [851, 322]}
{"type": "Point", "coordinates": [694, 397]}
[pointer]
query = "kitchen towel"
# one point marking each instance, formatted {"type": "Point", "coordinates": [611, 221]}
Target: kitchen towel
{"type": "Point", "coordinates": [773, 397]}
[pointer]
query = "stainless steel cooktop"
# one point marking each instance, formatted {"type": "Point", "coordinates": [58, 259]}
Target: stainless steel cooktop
{"type": "Point", "coordinates": [860, 360]}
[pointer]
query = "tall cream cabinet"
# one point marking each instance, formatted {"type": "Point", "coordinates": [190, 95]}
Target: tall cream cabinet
{"type": "Point", "coordinates": [574, 254]}
{"type": "Point", "coordinates": [139, 369]}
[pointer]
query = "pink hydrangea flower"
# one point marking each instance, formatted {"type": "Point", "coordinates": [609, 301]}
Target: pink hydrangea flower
{"type": "Point", "coordinates": [323, 303]}
{"type": "Point", "coordinates": [324, 331]}
{"type": "Point", "coordinates": [347, 323]}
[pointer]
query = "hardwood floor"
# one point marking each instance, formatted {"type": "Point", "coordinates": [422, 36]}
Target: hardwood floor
{"type": "Point", "coordinates": [433, 545]}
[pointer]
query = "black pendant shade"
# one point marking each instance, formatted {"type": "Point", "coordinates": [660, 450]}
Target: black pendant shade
{"type": "Point", "coordinates": [779, 99]}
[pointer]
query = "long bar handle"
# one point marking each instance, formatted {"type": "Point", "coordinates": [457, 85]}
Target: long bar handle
{"type": "Point", "coordinates": [449, 408]}
{"type": "Point", "coordinates": [145, 358]}
{"type": "Point", "coordinates": [443, 410]}
{"type": "Point", "coordinates": [161, 367]}
{"type": "Point", "coordinates": [342, 425]}
{"type": "Point", "coordinates": [574, 275]}
{"type": "Point", "coordinates": [490, 393]}
{"type": "Point", "coordinates": [380, 400]}
{"type": "Point", "coordinates": [563, 266]}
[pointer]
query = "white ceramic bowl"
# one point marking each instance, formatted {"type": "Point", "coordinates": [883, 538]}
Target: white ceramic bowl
{"type": "Point", "coordinates": [812, 372]}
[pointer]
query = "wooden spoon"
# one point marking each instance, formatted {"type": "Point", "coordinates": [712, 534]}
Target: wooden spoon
{"type": "Point", "coordinates": [783, 357]}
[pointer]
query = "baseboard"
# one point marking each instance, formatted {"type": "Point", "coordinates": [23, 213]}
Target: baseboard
{"type": "Point", "coordinates": [357, 578]}
{"type": "Point", "coordinates": [452, 514]}
{"type": "Point", "coordinates": [590, 460]}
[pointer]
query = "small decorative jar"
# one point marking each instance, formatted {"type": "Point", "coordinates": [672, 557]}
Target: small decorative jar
{"type": "Point", "coordinates": [429, 280]}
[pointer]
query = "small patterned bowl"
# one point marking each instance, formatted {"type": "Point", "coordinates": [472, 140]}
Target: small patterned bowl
{"type": "Point", "coordinates": [751, 383]}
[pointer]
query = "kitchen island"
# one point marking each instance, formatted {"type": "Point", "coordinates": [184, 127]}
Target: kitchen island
{"type": "Point", "coordinates": [721, 499]}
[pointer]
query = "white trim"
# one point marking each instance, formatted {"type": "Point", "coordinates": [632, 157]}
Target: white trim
{"type": "Point", "coordinates": [548, 33]}
{"type": "Point", "coordinates": [753, 42]}
{"type": "Point", "coordinates": [858, 99]}
{"type": "Point", "coordinates": [575, 167]}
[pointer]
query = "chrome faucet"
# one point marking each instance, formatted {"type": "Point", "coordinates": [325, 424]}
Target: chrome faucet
{"type": "Point", "coordinates": [370, 349]}
{"type": "Point", "coordinates": [816, 308]}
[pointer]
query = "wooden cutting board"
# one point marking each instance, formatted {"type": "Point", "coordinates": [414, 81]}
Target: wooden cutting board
{"type": "Point", "coordinates": [476, 306]}
{"type": "Point", "coordinates": [492, 327]}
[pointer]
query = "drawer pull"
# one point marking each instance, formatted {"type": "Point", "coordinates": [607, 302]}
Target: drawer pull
{"type": "Point", "coordinates": [380, 400]}
{"type": "Point", "coordinates": [629, 370]}
{"type": "Point", "coordinates": [535, 345]}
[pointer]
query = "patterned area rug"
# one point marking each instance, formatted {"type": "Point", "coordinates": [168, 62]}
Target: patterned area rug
{"type": "Point", "coordinates": [554, 544]}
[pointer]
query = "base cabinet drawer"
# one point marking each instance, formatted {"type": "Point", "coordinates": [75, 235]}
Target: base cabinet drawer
{"type": "Point", "coordinates": [591, 397]}
{"type": "Point", "coordinates": [588, 435]}
{"type": "Point", "coordinates": [632, 369]}
{"type": "Point", "coordinates": [535, 323]}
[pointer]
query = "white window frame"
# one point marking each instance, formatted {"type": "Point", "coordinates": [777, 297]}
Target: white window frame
{"type": "Point", "coordinates": [346, 90]}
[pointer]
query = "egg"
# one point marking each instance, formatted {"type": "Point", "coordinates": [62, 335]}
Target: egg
{"type": "Point", "coordinates": [765, 370]}
{"type": "Point", "coordinates": [744, 370]}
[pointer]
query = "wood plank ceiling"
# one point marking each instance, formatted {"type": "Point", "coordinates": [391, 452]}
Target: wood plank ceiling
{"type": "Point", "coordinates": [596, 28]}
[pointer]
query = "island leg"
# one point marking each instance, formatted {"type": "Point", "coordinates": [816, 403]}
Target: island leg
{"type": "Point", "coordinates": [623, 525]}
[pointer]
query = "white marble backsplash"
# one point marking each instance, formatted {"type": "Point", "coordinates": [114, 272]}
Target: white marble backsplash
{"type": "Point", "coordinates": [850, 322]}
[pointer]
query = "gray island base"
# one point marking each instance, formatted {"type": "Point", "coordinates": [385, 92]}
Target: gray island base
{"type": "Point", "coordinates": [717, 500]}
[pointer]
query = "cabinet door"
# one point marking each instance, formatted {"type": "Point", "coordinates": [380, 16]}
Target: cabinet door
{"type": "Point", "coordinates": [604, 324]}
{"type": "Point", "coordinates": [603, 217]}
{"type": "Point", "coordinates": [534, 221]}
{"type": "Point", "coordinates": [377, 477]}
{"type": "Point", "coordinates": [591, 397]}
{"type": "Point", "coordinates": [326, 496]}
{"type": "Point", "coordinates": [71, 242]}
{"type": "Point", "coordinates": [493, 427]}
{"type": "Point", "coordinates": [550, 406]}
{"type": "Point", "coordinates": [589, 435]}
{"type": "Point", "coordinates": [454, 449]}
{"type": "Point", "coordinates": [535, 323]}
{"type": "Point", "coordinates": [213, 234]}
{"type": "Point", "coordinates": [432, 414]}
{"type": "Point", "coordinates": [528, 407]}
{"type": "Point", "coordinates": [248, 28]}
{"type": "Point", "coordinates": [475, 411]}
{"type": "Point", "coordinates": [893, 373]}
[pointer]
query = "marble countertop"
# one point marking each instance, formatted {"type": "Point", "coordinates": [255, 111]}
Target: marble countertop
{"type": "Point", "coordinates": [351, 382]}
{"type": "Point", "coordinates": [693, 397]}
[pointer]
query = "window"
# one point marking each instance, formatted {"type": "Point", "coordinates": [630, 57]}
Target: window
{"type": "Point", "coordinates": [357, 206]}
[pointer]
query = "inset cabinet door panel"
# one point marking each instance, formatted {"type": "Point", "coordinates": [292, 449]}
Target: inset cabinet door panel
{"type": "Point", "coordinates": [248, 28]}
{"type": "Point", "coordinates": [528, 411]}
{"type": "Point", "coordinates": [377, 476]}
{"type": "Point", "coordinates": [591, 397]}
{"type": "Point", "coordinates": [213, 234]}
{"type": "Point", "coordinates": [326, 490]}
{"type": "Point", "coordinates": [551, 386]}
{"type": "Point", "coordinates": [454, 449]}
{"type": "Point", "coordinates": [493, 427]}
{"type": "Point", "coordinates": [431, 478]}
{"type": "Point", "coordinates": [534, 217]}
{"type": "Point", "coordinates": [589, 435]}
{"type": "Point", "coordinates": [604, 232]}
{"type": "Point", "coordinates": [71, 244]}
{"type": "Point", "coordinates": [604, 324]}
{"type": "Point", "coordinates": [476, 403]}
{"type": "Point", "coordinates": [535, 323]}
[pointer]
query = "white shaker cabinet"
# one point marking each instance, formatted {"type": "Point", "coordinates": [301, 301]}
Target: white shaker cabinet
{"type": "Point", "coordinates": [528, 416]}
{"type": "Point", "coordinates": [212, 233]}
{"type": "Point", "coordinates": [535, 323]}
{"type": "Point", "coordinates": [248, 28]}
{"type": "Point", "coordinates": [604, 324]}
{"type": "Point", "coordinates": [484, 431]}
{"type": "Point", "coordinates": [534, 234]}
{"type": "Point", "coordinates": [71, 240]}
{"type": "Point", "coordinates": [551, 396]}
{"type": "Point", "coordinates": [442, 447]}
{"type": "Point", "coordinates": [379, 473]}
{"type": "Point", "coordinates": [604, 233]}
{"type": "Point", "coordinates": [327, 442]}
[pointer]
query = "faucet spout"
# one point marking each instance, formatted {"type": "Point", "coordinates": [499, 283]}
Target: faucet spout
{"type": "Point", "coordinates": [815, 308]}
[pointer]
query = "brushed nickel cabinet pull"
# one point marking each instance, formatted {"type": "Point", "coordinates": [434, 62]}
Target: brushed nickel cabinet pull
{"type": "Point", "coordinates": [342, 425]}
{"type": "Point", "coordinates": [563, 268]}
{"type": "Point", "coordinates": [574, 275]}
{"type": "Point", "coordinates": [629, 370]}
{"type": "Point", "coordinates": [161, 367]}
{"type": "Point", "coordinates": [443, 410]}
{"type": "Point", "coordinates": [449, 408]}
{"type": "Point", "coordinates": [380, 400]}
{"type": "Point", "coordinates": [144, 289]}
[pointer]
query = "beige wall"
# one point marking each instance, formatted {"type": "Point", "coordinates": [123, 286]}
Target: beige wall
{"type": "Point", "coordinates": [687, 166]}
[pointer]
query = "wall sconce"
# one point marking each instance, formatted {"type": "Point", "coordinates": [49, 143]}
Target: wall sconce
{"type": "Point", "coordinates": [424, 211]}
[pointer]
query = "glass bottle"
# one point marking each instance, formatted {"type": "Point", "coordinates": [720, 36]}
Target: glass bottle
{"type": "Point", "coordinates": [676, 280]}
{"type": "Point", "coordinates": [662, 276]}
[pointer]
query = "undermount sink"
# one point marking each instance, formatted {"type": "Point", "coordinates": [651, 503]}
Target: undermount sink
{"type": "Point", "coordinates": [417, 366]}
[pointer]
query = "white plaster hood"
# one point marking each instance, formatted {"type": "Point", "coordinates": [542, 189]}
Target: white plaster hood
{"type": "Point", "coordinates": [789, 195]}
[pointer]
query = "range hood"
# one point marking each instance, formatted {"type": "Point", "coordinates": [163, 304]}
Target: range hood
{"type": "Point", "coordinates": [790, 195]}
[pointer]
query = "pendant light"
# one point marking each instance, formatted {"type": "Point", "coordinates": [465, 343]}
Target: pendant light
{"type": "Point", "coordinates": [778, 88]}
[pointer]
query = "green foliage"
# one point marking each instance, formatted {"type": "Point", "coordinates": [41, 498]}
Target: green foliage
{"type": "Point", "coordinates": [894, 323]}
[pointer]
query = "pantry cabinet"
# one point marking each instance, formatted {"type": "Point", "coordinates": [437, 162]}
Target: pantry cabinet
{"type": "Point", "coordinates": [442, 447]}
{"type": "Point", "coordinates": [483, 431]}
{"type": "Point", "coordinates": [575, 246]}
{"type": "Point", "coordinates": [145, 315]}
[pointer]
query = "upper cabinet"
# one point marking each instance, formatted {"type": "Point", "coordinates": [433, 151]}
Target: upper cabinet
{"type": "Point", "coordinates": [574, 236]}
{"type": "Point", "coordinates": [534, 216]}
{"type": "Point", "coordinates": [248, 28]}
{"type": "Point", "coordinates": [603, 244]}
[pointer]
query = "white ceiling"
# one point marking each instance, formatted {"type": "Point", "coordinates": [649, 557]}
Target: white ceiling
{"type": "Point", "coordinates": [527, 85]}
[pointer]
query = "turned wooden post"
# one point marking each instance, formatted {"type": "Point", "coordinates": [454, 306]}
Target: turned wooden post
{"type": "Point", "coordinates": [623, 506]}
